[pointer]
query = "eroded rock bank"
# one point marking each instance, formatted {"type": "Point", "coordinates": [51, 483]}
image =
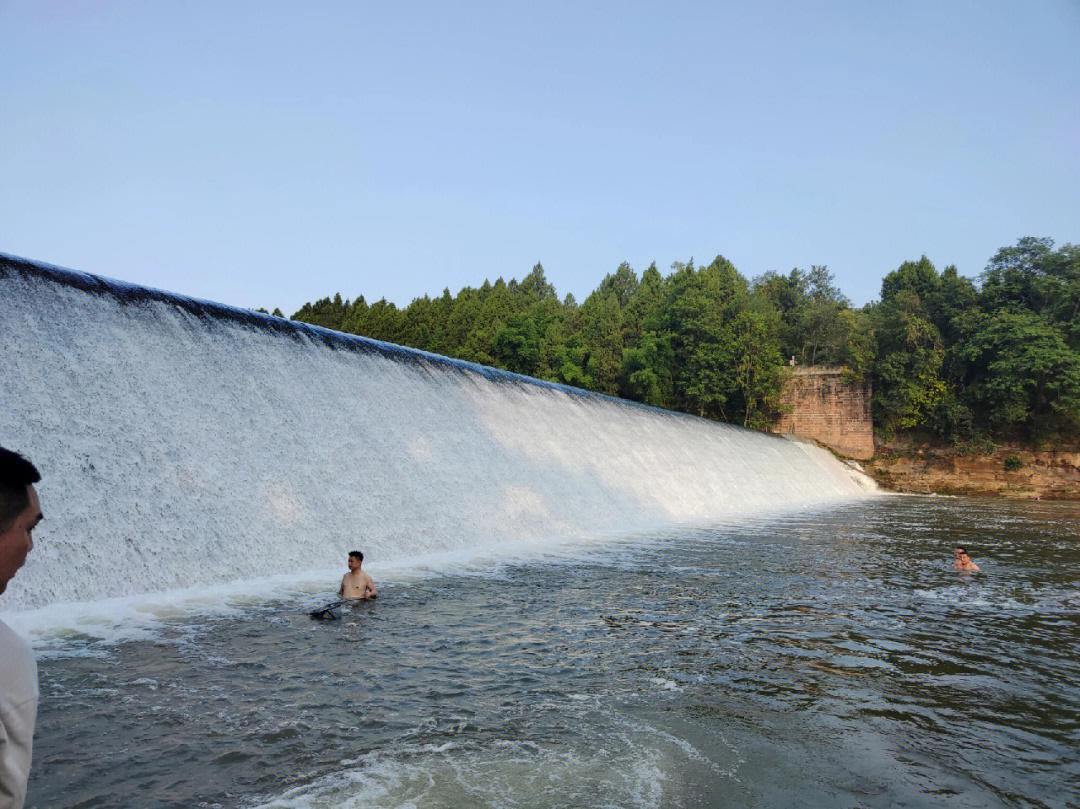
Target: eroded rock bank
{"type": "Point", "coordinates": [1007, 471]}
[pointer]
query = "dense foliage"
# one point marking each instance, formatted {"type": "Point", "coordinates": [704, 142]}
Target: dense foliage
{"type": "Point", "coordinates": [962, 359]}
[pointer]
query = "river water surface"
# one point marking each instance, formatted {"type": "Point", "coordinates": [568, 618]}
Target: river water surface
{"type": "Point", "coordinates": [820, 659]}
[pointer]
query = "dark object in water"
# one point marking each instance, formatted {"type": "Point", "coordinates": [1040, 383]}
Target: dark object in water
{"type": "Point", "coordinates": [331, 612]}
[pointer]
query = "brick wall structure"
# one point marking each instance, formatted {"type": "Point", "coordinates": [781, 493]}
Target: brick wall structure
{"type": "Point", "coordinates": [829, 410]}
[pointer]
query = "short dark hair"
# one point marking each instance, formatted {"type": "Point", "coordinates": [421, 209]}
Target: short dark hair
{"type": "Point", "coordinates": [359, 557]}
{"type": "Point", "coordinates": [16, 473]}
{"type": "Point", "coordinates": [961, 548]}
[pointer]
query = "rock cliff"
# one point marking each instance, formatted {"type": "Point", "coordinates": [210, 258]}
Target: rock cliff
{"type": "Point", "coordinates": [1009, 471]}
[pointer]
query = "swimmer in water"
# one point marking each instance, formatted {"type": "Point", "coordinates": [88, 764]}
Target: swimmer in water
{"type": "Point", "coordinates": [963, 561]}
{"type": "Point", "coordinates": [356, 584]}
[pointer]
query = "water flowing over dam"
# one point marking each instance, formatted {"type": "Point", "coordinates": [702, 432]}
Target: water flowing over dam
{"type": "Point", "coordinates": [188, 443]}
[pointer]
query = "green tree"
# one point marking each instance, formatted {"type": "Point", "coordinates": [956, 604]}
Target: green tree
{"type": "Point", "coordinates": [382, 321]}
{"type": "Point", "coordinates": [517, 345]}
{"type": "Point", "coordinates": [643, 311]}
{"type": "Point", "coordinates": [570, 361]}
{"type": "Point", "coordinates": [699, 312]}
{"type": "Point", "coordinates": [326, 312]}
{"type": "Point", "coordinates": [1024, 374]}
{"type": "Point", "coordinates": [647, 372]}
{"type": "Point", "coordinates": [603, 336]}
{"type": "Point", "coordinates": [759, 372]}
{"type": "Point", "coordinates": [623, 283]}
{"type": "Point", "coordinates": [1033, 276]}
{"type": "Point", "coordinates": [534, 287]}
{"type": "Point", "coordinates": [353, 322]}
{"type": "Point", "coordinates": [551, 318]}
{"type": "Point", "coordinates": [816, 323]}
{"type": "Point", "coordinates": [909, 389]}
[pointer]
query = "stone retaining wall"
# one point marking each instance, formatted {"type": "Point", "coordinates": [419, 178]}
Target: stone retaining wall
{"type": "Point", "coordinates": [829, 410]}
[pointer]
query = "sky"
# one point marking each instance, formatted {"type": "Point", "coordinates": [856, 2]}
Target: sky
{"type": "Point", "coordinates": [269, 154]}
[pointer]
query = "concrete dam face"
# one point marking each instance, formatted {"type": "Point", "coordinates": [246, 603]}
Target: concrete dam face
{"type": "Point", "coordinates": [184, 443]}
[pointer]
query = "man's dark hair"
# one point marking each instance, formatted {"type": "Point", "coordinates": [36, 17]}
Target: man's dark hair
{"type": "Point", "coordinates": [359, 557]}
{"type": "Point", "coordinates": [16, 473]}
{"type": "Point", "coordinates": [961, 548]}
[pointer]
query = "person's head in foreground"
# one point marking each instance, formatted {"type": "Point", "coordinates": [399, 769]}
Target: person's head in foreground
{"type": "Point", "coordinates": [355, 560]}
{"type": "Point", "coordinates": [20, 512]}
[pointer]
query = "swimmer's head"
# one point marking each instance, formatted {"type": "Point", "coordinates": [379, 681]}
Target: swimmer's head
{"type": "Point", "coordinates": [960, 551]}
{"type": "Point", "coordinates": [355, 559]}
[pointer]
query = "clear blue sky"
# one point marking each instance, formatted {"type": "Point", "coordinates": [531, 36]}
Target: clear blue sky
{"type": "Point", "coordinates": [262, 153]}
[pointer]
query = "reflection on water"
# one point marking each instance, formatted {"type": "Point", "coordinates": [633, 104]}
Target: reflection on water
{"type": "Point", "coordinates": [822, 660]}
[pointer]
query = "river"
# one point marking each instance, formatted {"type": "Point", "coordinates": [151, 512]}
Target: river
{"type": "Point", "coordinates": [827, 657]}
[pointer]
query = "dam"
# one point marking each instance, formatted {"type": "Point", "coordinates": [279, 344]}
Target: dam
{"type": "Point", "coordinates": [186, 443]}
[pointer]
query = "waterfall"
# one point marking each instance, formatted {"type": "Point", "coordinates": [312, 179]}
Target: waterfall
{"type": "Point", "coordinates": [186, 443]}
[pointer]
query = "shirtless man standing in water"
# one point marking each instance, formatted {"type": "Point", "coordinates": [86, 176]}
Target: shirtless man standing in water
{"type": "Point", "coordinates": [963, 561]}
{"type": "Point", "coordinates": [356, 584]}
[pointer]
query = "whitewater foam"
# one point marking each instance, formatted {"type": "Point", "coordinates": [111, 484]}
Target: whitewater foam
{"type": "Point", "coordinates": [184, 444]}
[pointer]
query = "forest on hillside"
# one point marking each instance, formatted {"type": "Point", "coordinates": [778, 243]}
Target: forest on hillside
{"type": "Point", "coordinates": [970, 362]}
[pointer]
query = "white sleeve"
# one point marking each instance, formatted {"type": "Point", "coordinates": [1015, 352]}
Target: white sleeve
{"type": "Point", "coordinates": [18, 712]}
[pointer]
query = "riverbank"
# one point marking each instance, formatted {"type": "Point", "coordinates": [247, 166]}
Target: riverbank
{"type": "Point", "coordinates": [1008, 471]}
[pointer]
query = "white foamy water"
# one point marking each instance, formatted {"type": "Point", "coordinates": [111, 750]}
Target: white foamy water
{"type": "Point", "coordinates": [620, 762]}
{"type": "Point", "coordinates": [186, 445]}
{"type": "Point", "coordinates": [143, 616]}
